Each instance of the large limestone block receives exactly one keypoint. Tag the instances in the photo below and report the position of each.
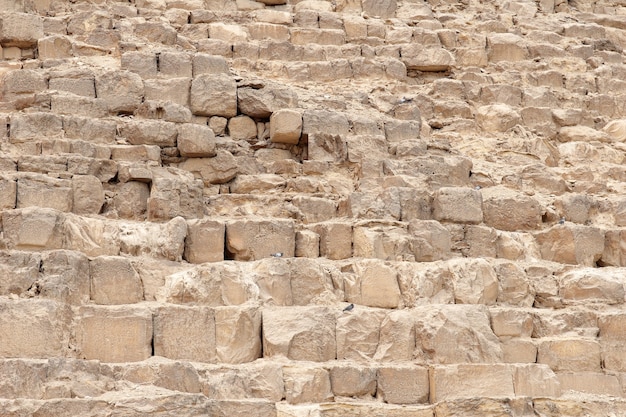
(114, 281)
(91, 130)
(402, 384)
(242, 127)
(569, 322)
(506, 47)
(426, 283)
(519, 351)
(457, 204)
(173, 90)
(248, 240)
(299, 333)
(382, 242)
(121, 90)
(316, 121)
(217, 170)
(64, 276)
(37, 125)
(514, 285)
(185, 333)
(259, 379)
(534, 380)
(309, 281)
(613, 358)
(397, 337)
(131, 200)
(471, 380)
(327, 147)
(157, 240)
(353, 381)
(286, 126)
(174, 192)
(581, 134)
(214, 284)
(205, 241)
(44, 191)
(263, 102)
(474, 281)
(237, 334)
(315, 209)
(209, 64)
(229, 33)
(34, 328)
(8, 193)
(20, 29)
(508, 322)
(612, 326)
(587, 285)
(377, 285)
(214, 95)
(335, 239)
(597, 383)
(451, 334)
(429, 59)
(306, 385)
(495, 118)
(430, 241)
(149, 132)
(358, 334)
(570, 354)
(571, 244)
(114, 334)
(505, 209)
(143, 63)
(175, 64)
(381, 9)
(33, 228)
(87, 193)
(20, 271)
(21, 83)
(195, 141)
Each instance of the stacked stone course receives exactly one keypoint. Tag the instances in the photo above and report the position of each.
(193, 191)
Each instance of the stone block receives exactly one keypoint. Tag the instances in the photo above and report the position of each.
(22, 84)
(20, 269)
(505, 209)
(43, 191)
(262, 102)
(114, 334)
(450, 334)
(131, 200)
(140, 62)
(396, 337)
(335, 239)
(506, 47)
(299, 333)
(122, 91)
(286, 126)
(174, 90)
(32, 228)
(80, 83)
(89, 129)
(403, 384)
(242, 128)
(581, 134)
(205, 241)
(353, 381)
(185, 333)
(571, 244)
(214, 95)
(228, 32)
(358, 334)
(519, 351)
(591, 383)
(307, 244)
(495, 118)
(196, 141)
(261, 31)
(257, 184)
(514, 286)
(209, 64)
(612, 326)
(305, 36)
(175, 64)
(428, 59)
(589, 285)
(88, 194)
(20, 29)
(157, 32)
(535, 381)
(73, 105)
(613, 356)
(324, 121)
(26, 126)
(306, 385)
(248, 240)
(175, 192)
(474, 281)
(327, 147)
(470, 380)
(217, 170)
(570, 354)
(259, 379)
(238, 334)
(430, 241)
(507, 322)
(157, 240)
(114, 281)
(37, 328)
(149, 132)
(460, 205)
(315, 209)
(103, 169)
(43, 164)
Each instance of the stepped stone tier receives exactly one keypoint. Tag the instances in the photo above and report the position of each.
(193, 191)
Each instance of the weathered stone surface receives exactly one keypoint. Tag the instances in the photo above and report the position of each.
(43, 191)
(506, 209)
(462, 205)
(327, 147)
(195, 141)
(114, 334)
(149, 132)
(87, 193)
(131, 200)
(358, 334)
(335, 239)
(121, 90)
(285, 126)
(37, 328)
(299, 333)
(589, 285)
(248, 240)
(571, 244)
(242, 127)
(376, 285)
(496, 118)
(420, 58)
(263, 102)
(114, 281)
(214, 95)
(32, 228)
(506, 47)
(353, 381)
(470, 380)
(174, 192)
(20, 29)
(237, 334)
(403, 384)
(570, 354)
(158, 240)
(307, 384)
(205, 241)
(35, 126)
(185, 333)
(217, 170)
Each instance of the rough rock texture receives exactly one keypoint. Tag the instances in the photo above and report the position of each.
(292, 208)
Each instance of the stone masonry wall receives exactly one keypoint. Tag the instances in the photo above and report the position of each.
(311, 208)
